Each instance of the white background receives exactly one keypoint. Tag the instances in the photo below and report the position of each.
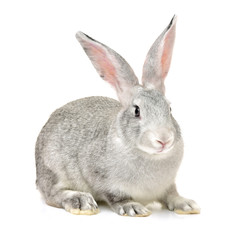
(42, 67)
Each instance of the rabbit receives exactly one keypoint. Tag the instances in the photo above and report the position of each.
(125, 153)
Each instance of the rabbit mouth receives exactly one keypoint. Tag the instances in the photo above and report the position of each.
(155, 144)
(155, 151)
(164, 150)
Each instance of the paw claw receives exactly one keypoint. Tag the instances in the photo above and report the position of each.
(184, 206)
(133, 210)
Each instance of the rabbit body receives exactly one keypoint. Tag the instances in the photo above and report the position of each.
(81, 146)
(126, 153)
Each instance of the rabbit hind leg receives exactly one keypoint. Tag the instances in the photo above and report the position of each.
(75, 202)
(79, 203)
(58, 194)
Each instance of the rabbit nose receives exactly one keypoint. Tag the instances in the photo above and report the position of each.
(161, 142)
(167, 142)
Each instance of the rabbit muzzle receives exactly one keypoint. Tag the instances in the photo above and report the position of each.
(157, 142)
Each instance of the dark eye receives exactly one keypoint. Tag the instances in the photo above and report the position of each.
(137, 111)
(170, 109)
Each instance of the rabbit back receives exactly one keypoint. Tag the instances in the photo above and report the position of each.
(68, 141)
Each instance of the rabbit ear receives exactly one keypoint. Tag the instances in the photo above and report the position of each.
(158, 59)
(111, 66)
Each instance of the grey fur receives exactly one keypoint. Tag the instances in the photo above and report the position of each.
(96, 148)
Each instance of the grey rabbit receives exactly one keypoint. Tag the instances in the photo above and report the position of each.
(125, 153)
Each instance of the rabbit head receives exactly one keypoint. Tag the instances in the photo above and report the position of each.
(145, 120)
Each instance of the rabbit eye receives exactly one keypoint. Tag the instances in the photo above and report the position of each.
(137, 111)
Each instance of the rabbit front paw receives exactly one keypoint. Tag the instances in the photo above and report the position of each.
(132, 209)
(182, 205)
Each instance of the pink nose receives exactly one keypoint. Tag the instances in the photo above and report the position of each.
(162, 143)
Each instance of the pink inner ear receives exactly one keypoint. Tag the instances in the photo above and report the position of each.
(167, 52)
(103, 64)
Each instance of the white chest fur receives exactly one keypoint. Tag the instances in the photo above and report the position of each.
(148, 181)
